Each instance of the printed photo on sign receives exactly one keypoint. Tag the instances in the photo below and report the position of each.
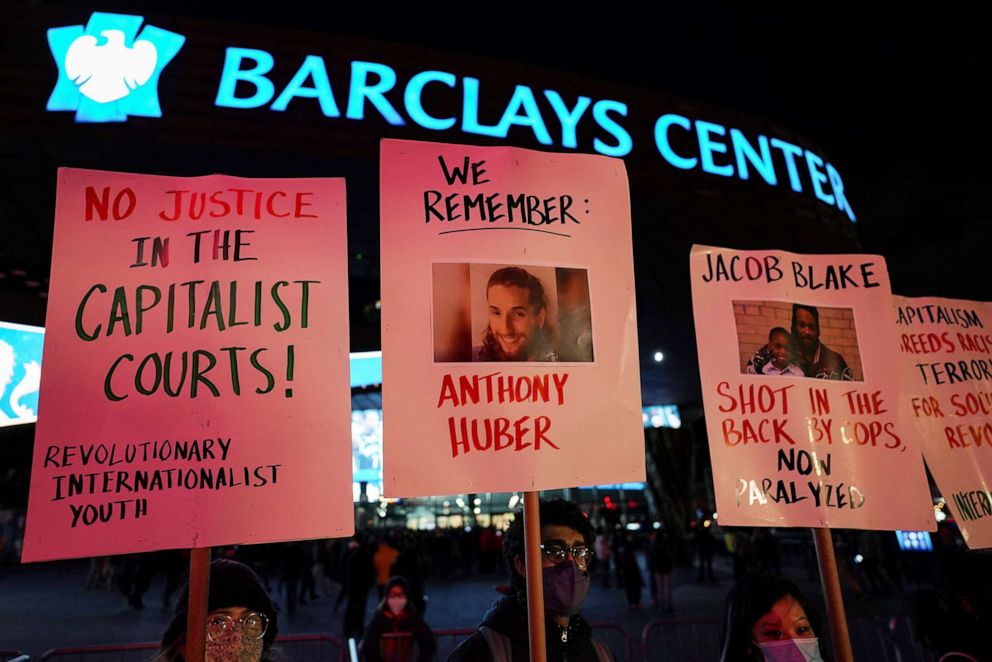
(511, 313)
(797, 340)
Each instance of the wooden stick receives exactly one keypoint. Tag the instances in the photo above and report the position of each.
(830, 580)
(199, 591)
(535, 576)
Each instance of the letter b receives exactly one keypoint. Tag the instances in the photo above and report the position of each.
(232, 73)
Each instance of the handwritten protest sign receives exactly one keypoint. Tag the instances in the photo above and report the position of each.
(509, 330)
(800, 389)
(946, 348)
(195, 375)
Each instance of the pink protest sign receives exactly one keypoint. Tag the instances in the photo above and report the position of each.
(946, 349)
(195, 373)
(801, 392)
(508, 323)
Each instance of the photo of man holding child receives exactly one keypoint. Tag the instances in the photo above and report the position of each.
(768, 347)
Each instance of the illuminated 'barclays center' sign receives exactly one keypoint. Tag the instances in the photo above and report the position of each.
(108, 71)
(719, 150)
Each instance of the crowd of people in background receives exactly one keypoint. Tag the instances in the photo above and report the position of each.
(393, 567)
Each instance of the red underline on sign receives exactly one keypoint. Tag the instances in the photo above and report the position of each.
(557, 234)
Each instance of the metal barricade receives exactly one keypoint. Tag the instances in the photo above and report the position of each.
(293, 648)
(617, 640)
(611, 634)
(312, 648)
(870, 640)
(104, 653)
(879, 639)
(448, 639)
(674, 639)
(908, 646)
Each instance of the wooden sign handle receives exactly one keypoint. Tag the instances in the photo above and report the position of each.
(830, 580)
(199, 591)
(535, 577)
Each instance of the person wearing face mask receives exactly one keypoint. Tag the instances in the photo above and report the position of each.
(241, 622)
(566, 550)
(770, 620)
(397, 615)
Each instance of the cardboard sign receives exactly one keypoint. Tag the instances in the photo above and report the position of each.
(801, 392)
(195, 376)
(509, 332)
(946, 349)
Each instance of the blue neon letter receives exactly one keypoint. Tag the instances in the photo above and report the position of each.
(312, 67)
(523, 99)
(814, 163)
(707, 147)
(569, 118)
(470, 111)
(838, 186)
(790, 152)
(412, 99)
(746, 153)
(362, 90)
(600, 112)
(232, 73)
(661, 128)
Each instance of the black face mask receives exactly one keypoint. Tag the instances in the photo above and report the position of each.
(565, 588)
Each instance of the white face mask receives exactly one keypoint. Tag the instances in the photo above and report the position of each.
(791, 650)
(396, 605)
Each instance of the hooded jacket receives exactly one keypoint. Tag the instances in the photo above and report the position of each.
(508, 617)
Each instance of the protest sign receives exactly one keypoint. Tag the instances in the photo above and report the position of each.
(946, 349)
(195, 376)
(800, 390)
(509, 331)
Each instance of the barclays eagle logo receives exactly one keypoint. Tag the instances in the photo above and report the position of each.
(108, 71)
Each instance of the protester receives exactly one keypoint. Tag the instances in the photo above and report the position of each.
(662, 565)
(566, 537)
(361, 576)
(602, 548)
(397, 615)
(410, 566)
(768, 619)
(633, 580)
(296, 566)
(382, 560)
(241, 621)
(705, 544)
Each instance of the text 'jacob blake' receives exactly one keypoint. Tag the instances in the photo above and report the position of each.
(806, 276)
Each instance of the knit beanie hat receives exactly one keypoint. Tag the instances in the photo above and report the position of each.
(232, 584)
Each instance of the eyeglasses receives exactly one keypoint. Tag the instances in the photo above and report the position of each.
(222, 627)
(559, 553)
